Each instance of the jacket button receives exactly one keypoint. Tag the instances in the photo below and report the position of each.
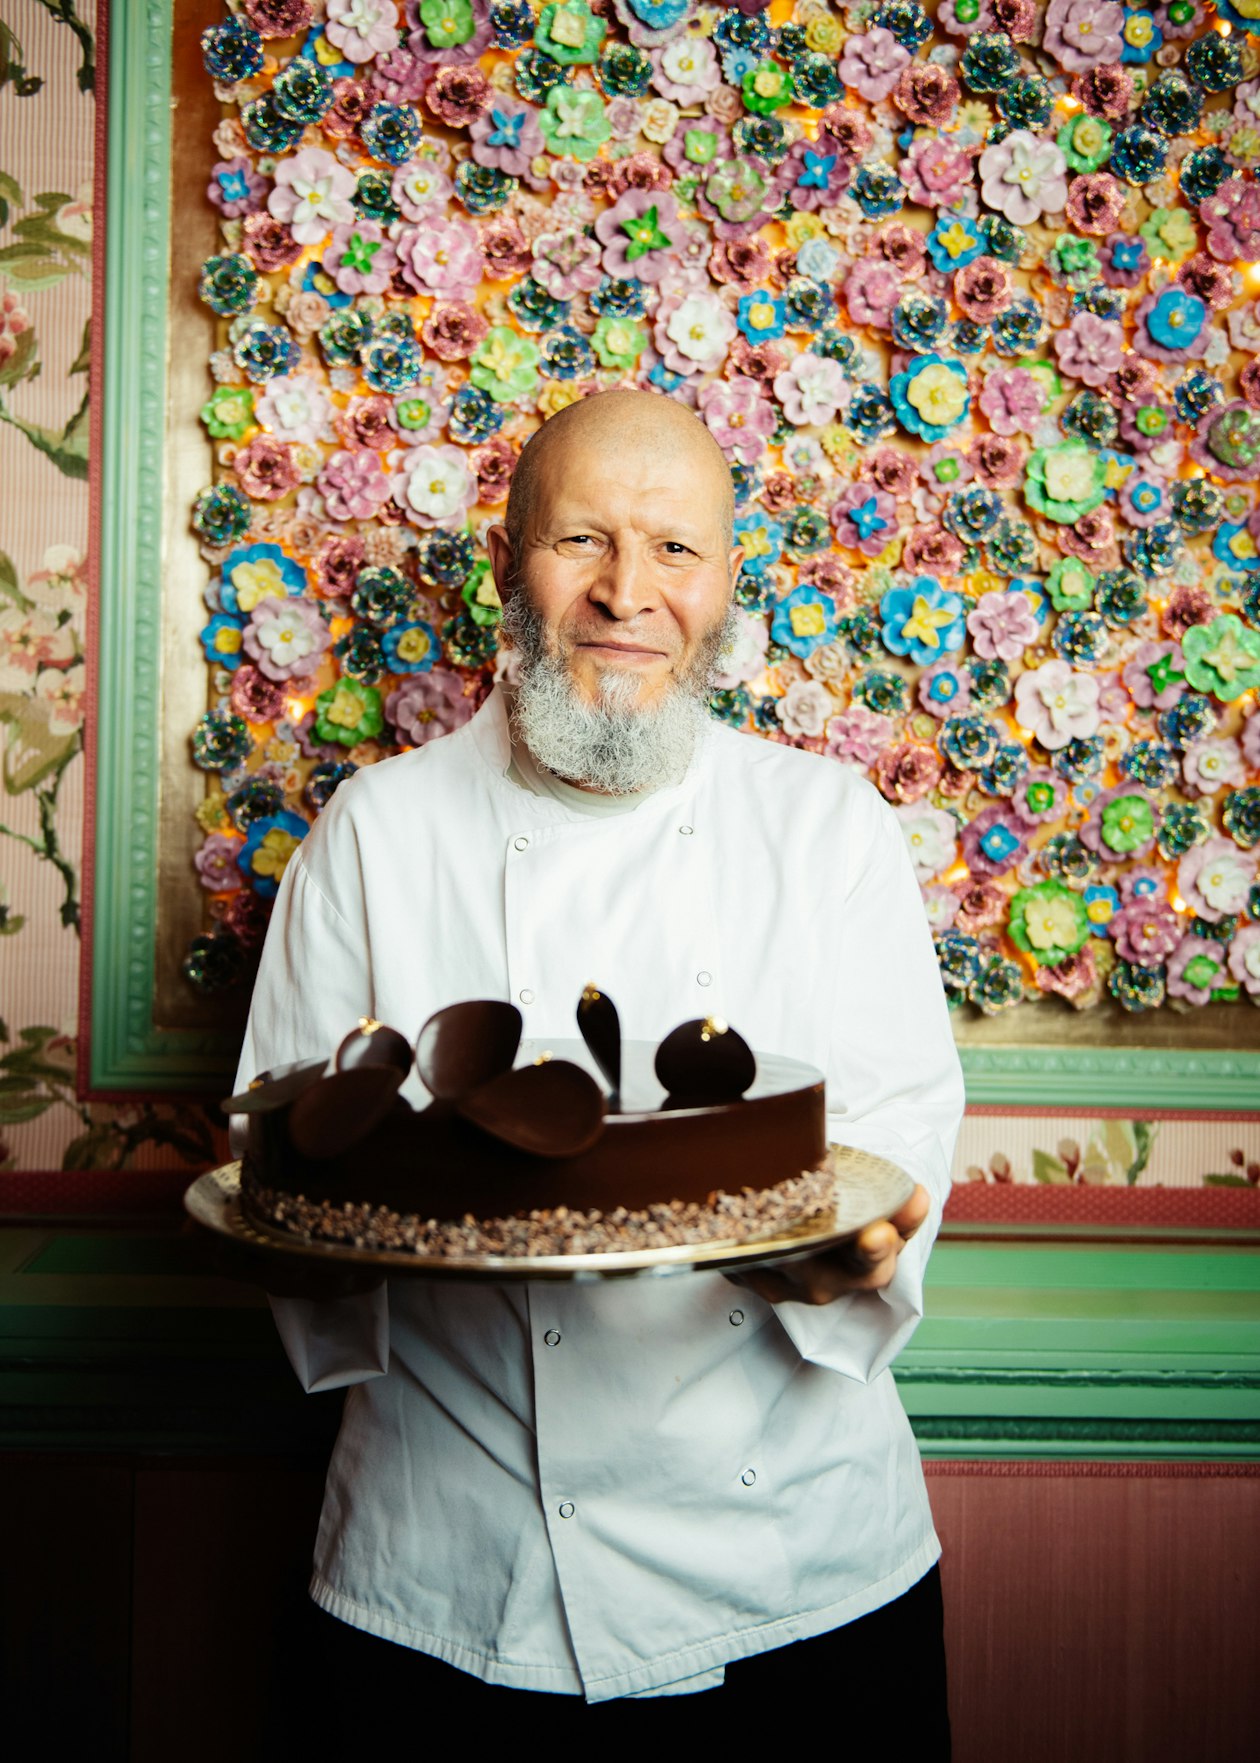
(521, 844)
(736, 1317)
(748, 1478)
(552, 1337)
(686, 831)
(704, 978)
(526, 996)
(566, 1509)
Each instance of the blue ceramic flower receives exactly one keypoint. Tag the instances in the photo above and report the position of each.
(1101, 905)
(222, 640)
(1235, 547)
(258, 572)
(924, 621)
(803, 621)
(1176, 319)
(1140, 35)
(930, 398)
(762, 541)
(953, 242)
(410, 648)
(269, 845)
(762, 317)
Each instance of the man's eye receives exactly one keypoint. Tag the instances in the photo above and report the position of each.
(675, 549)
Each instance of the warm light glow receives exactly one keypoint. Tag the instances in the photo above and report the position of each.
(1252, 273)
(295, 708)
(1068, 103)
(1178, 903)
(1225, 29)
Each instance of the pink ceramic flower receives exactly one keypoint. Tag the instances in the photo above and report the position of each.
(858, 735)
(686, 70)
(216, 863)
(1012, 399)
(641, 235)
(1213, 764)
(1196, 969)
(812, 390)
(1232, 218)
(934, 173)
(566, 263)
(1002, 625)
(235, 188)
(353, 485)
(1244, 959)
(420, 188)
(1090, 349)
(360, 259)
(1249, 742)
(1145, 932)
(871, 290)
(931, 836)
(1151, 686)
(506, 135)
(1081, 34)
(804, 708)
(864, 518)
(266, 469)
(1023, 177)
(362, 29)
(442, 257)
(296, 406)
(427, 706)
(1095, 204)
(872, 63)
(739, 416)
(692, 332)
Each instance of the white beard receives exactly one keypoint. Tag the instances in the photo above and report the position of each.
(611, 746)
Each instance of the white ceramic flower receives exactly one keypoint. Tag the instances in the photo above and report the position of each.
(435, 483)
(700, 329)
(312, 195)
(744, 656)
(1023, 177)
(931, 836)
(295, 407)
(1056, 704)
(812, 389)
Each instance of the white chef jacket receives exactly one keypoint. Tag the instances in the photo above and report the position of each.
(618, 1488)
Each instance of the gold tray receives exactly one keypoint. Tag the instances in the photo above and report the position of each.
(867, 1188)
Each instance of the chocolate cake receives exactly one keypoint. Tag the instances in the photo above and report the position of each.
(697, 1140)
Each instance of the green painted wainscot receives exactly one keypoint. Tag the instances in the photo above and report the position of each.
(123, 1341)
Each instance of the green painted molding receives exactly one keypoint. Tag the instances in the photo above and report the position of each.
(128, 1052)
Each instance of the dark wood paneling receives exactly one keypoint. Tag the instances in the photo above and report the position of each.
(1101, 1618)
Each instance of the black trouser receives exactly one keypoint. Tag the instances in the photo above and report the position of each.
(877, 1681)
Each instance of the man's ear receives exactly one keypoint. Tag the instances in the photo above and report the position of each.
(502, 562)
(736, 562)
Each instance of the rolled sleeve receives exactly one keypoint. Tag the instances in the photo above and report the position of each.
(335, 1342)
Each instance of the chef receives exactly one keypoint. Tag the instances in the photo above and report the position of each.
(664, 1501)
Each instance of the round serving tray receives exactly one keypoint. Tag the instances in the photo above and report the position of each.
(867, 1188)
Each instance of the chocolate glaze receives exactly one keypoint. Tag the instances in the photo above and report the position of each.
(466, 1045)
(440, 1165)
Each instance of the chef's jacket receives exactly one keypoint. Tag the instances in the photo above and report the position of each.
(618, 1488)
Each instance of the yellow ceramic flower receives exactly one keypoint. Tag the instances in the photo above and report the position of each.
(272, 856)
(212, 814)
(1070, 475)
(938, 394)
(257, 581)
(1051, 924)
(345, 711)
(802, 227)
(556, 396)
(824, 35)
(809, 620)
(414, 644)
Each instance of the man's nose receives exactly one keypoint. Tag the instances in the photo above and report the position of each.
(625, 584)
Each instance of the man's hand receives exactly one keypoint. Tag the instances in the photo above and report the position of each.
(865, 1263)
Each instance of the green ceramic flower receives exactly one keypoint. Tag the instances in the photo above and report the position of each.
(1085, 142)
(573, 123)
(1128, 822)
(700, 146)
(618, 342)
(1076, 256)
(569, 33)
(1065, 482)
(1223, 657)
(737, 189)
(1048, 922)
(767, 88)
(348, 713)
(1070, 585)
(229, 415)
(481, 597)
(1045, 374)
(505, 364)
(1170, 234)
(447, 23)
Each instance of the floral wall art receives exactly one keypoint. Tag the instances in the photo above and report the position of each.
(967, 299)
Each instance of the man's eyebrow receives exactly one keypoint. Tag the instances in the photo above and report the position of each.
(665, 527)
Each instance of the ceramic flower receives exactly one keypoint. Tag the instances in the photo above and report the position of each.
(858, 735)
(347, 713)
(804, 708)
(269, 847)
(1012, 400)
(812, 390)
(1022, 177)
(1155, 675)
(1244, 959)
(995, 840)
(506, 135)
(1049, 922)
(258, 572)
(353, 485)
(428, 706)
(1002, 625)
(864, 518)
(434, 484)
(1196, 968)
(686, 70)
(954, 241)
(692, 332)
(1065, 481)
(872, 63)
(1121, 822)
(641, 235)
(1210, 765)
(286, 638)
(743, 657)
(931, 836)
(1082, 34)
(312, 195)
(360, 259)
(923, 621)
(1090, 349)
(739, 416)
(235, 187)
(505, 364)
(362, 29)
(935, 173)
(574, 123)
(569, 33)
(295, 407)
(1222, 657)
(803, 621)
(1056, 704)
(443, 258)
(930, 397)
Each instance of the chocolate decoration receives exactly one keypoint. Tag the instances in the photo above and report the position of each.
(705, 1062)
(267, 1092)
(466, 1045)
(336, 1114)
(600, 1028)
(552, 1109)
(372, 1043)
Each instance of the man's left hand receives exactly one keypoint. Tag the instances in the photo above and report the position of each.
(865, 1263)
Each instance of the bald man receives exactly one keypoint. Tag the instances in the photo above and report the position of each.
(677, 1499)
